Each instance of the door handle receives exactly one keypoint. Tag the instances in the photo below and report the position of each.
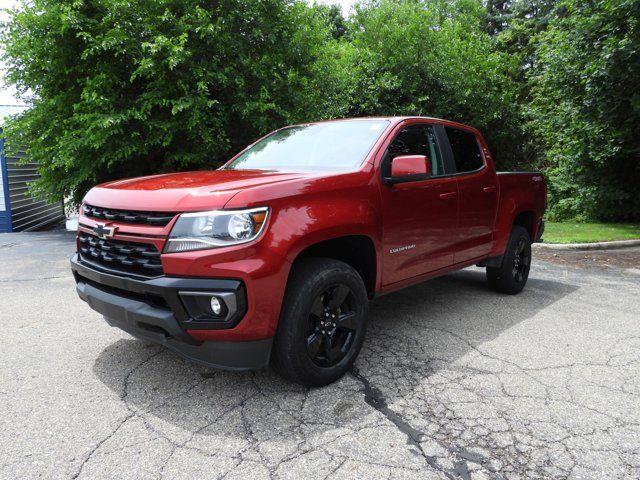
(489, 189)
(447, 195)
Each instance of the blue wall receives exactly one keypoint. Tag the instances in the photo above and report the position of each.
(5, 208)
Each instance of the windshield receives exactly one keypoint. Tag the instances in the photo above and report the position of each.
(330, 146)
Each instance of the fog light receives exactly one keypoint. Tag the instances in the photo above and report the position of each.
(213, 306)
(216, 306)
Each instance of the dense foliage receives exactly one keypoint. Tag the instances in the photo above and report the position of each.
(126, 88)
(433, 58)
(586, 109)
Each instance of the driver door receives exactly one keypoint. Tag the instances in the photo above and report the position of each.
(419, 217)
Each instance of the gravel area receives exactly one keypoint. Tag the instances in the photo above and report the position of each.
(627, 258)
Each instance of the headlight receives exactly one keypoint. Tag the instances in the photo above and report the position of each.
(219, 228)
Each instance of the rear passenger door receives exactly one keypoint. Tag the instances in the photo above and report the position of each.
(478, 195)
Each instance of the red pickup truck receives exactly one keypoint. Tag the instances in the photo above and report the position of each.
(274, 256)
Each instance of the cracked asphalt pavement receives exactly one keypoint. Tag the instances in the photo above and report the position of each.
(454, 381)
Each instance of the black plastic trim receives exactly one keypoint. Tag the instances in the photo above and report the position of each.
(494, 262)
(446, 152)
(460, 174)
(110, 271)
(167, 288)
(159, 326)
(417, 177)
(115, 298)
(139, 217)
(132, 312)
(121, 257)
(540, 232)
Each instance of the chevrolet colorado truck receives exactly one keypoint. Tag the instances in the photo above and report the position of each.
(273, 257)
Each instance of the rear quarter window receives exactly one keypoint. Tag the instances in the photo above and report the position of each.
(465, 148)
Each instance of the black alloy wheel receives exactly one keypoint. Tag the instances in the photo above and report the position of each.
(521, 261)
(511, 276)
(333, 323)
(322, 322)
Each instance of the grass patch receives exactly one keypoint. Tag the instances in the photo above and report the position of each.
(567, 232)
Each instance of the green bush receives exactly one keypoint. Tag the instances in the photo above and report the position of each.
(131, 88)
(127, 88)
(586, 109)
(434, 58)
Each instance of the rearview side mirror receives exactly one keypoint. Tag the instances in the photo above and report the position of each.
(409, 168)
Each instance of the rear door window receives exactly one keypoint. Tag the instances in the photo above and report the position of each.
(465, 149)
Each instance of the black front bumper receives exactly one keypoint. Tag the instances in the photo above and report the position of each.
(152, 310)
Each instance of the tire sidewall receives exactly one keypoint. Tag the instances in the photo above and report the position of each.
(518, 234)
(296, 313)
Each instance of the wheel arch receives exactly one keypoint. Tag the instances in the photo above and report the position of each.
(526, 219)
(357, 251)
(508, 217)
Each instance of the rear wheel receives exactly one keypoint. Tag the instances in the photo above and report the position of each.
(512, 275)
(322, 324)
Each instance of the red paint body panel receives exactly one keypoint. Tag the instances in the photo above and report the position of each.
(478, 202)
(521, 192)
(184, 192)
(419, 227)
(419, 230)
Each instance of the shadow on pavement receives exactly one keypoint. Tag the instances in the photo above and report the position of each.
(413, 334)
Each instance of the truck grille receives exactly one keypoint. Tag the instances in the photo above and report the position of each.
(142, 259)
(158, 219)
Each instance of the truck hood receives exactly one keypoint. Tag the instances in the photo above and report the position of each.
(187, 191)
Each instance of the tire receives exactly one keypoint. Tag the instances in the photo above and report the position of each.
(311, 347)
(512, 275)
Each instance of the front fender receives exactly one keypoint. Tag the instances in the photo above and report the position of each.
(316, 210)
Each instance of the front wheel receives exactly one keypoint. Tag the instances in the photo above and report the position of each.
(512, 275)
(322, 324)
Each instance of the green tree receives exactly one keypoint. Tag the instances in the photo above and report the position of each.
(498, 15)
(517, 25)
(434, 58)
(125, 88)
(131, 88)
(586, 109)
(333, 12)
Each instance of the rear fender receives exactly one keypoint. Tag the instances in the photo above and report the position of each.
(507, 214)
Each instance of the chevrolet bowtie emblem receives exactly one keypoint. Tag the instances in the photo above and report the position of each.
(103, 232)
